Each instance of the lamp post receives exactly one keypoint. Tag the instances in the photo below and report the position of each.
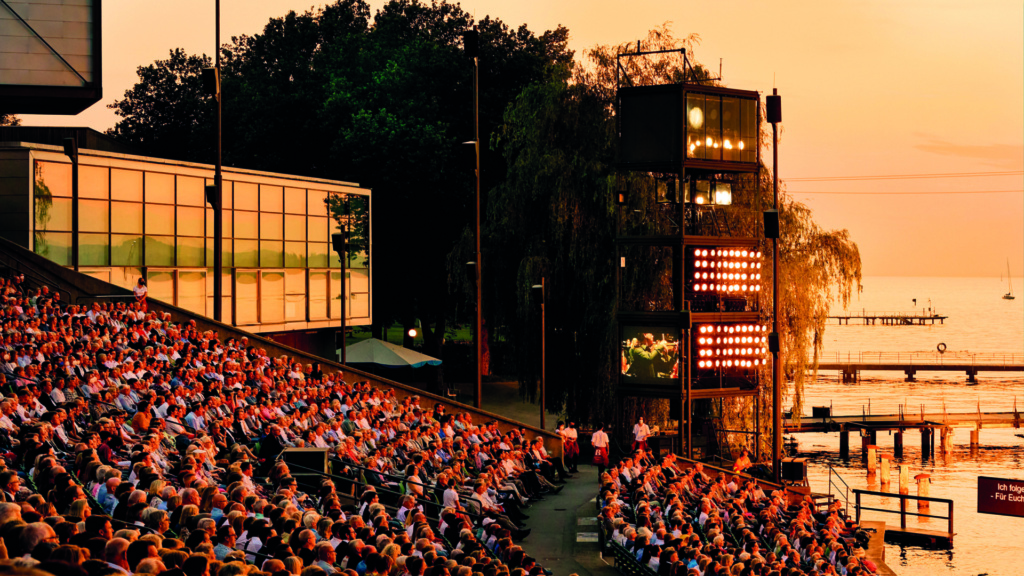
(471, 44)
(215, 193)
(339, 240)
(773, 106)
(71, 150)
(543, 345)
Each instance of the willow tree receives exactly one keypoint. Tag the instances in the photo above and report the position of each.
(552, 216)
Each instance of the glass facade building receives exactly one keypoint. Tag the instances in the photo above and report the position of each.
(148, 217)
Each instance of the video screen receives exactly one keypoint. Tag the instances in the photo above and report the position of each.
(650, 353)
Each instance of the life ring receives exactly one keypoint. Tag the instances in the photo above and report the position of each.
(941, 347)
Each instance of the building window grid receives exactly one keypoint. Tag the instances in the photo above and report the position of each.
(333, 266)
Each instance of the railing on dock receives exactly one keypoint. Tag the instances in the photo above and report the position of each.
(903, 507)
(924, 357)
(843, 491)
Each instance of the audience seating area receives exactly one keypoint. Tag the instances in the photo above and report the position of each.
(136, 445)
(668, 518)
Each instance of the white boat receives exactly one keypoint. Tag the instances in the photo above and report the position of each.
(1009, 295)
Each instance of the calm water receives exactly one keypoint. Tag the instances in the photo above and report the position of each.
(979, 322)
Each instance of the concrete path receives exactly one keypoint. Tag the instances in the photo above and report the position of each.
(564, 537)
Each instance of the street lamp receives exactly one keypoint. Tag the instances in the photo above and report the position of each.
(543, 346)
(773, 106)
(473, 272)
(215, 194)
(339, 241)
(471, 44)
(71, 150)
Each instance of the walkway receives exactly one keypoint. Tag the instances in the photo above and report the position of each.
(564, 537)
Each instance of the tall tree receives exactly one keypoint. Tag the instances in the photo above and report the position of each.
(383, 101)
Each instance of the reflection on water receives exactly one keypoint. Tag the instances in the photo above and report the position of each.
(984, 543)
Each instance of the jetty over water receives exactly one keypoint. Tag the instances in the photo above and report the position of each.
(851, 364)
(892, 318)
(928, 422)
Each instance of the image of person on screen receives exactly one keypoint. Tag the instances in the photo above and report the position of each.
(646, 357)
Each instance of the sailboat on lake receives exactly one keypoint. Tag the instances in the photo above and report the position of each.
(1009, 295)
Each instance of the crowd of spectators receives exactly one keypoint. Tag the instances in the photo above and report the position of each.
(135, 445)
(676, 519)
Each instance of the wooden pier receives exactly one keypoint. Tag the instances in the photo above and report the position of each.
(850, 365)
(934, 427)
(892, 318)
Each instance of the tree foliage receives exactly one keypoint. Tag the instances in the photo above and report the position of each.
(551, 217)
(383, 100)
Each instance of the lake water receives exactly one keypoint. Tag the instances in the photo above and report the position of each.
(980, 322)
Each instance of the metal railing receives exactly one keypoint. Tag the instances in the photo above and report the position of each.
(933, 313)
(903, 507)
(38, 279)
(924, 357)
(843, 491)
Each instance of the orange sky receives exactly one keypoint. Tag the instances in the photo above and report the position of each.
(869, 88)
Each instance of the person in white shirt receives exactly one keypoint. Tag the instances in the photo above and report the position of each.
(640, 433)
(599, 440)
(141, 291)
(570, 446)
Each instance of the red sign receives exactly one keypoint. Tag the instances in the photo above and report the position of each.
(1000, 496)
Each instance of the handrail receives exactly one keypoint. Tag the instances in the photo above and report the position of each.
(923, 357)
(40, 280)
(375, 488)
(392, 476)
(846, 492)
(98, 296)
(95, 401)
(903, 506)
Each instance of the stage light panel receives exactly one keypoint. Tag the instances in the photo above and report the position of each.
(730, 347)
(722, 271)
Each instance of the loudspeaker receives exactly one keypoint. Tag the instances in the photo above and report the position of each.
(773, 342)
(211, 81)
(71, 149)
(773, 107)
(471, 43)
(211, 194)
(338, 241)
(771, 224)
(794, 469)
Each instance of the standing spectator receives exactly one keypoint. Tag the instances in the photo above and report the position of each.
(140, 290)
(640, 433)
(599, 440)
(570, 446)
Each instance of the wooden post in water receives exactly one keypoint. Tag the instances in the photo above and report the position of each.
(947, 439)
(844, 444)
(974, 439)
(923, 483)
(904, 478)
(885, 467)
(872, 459)
(897, 444)
(926, 443)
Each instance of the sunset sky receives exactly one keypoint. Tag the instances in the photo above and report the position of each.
(869, 88)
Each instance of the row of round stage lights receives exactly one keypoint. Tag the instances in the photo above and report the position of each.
(732, 345)
(732, 271)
